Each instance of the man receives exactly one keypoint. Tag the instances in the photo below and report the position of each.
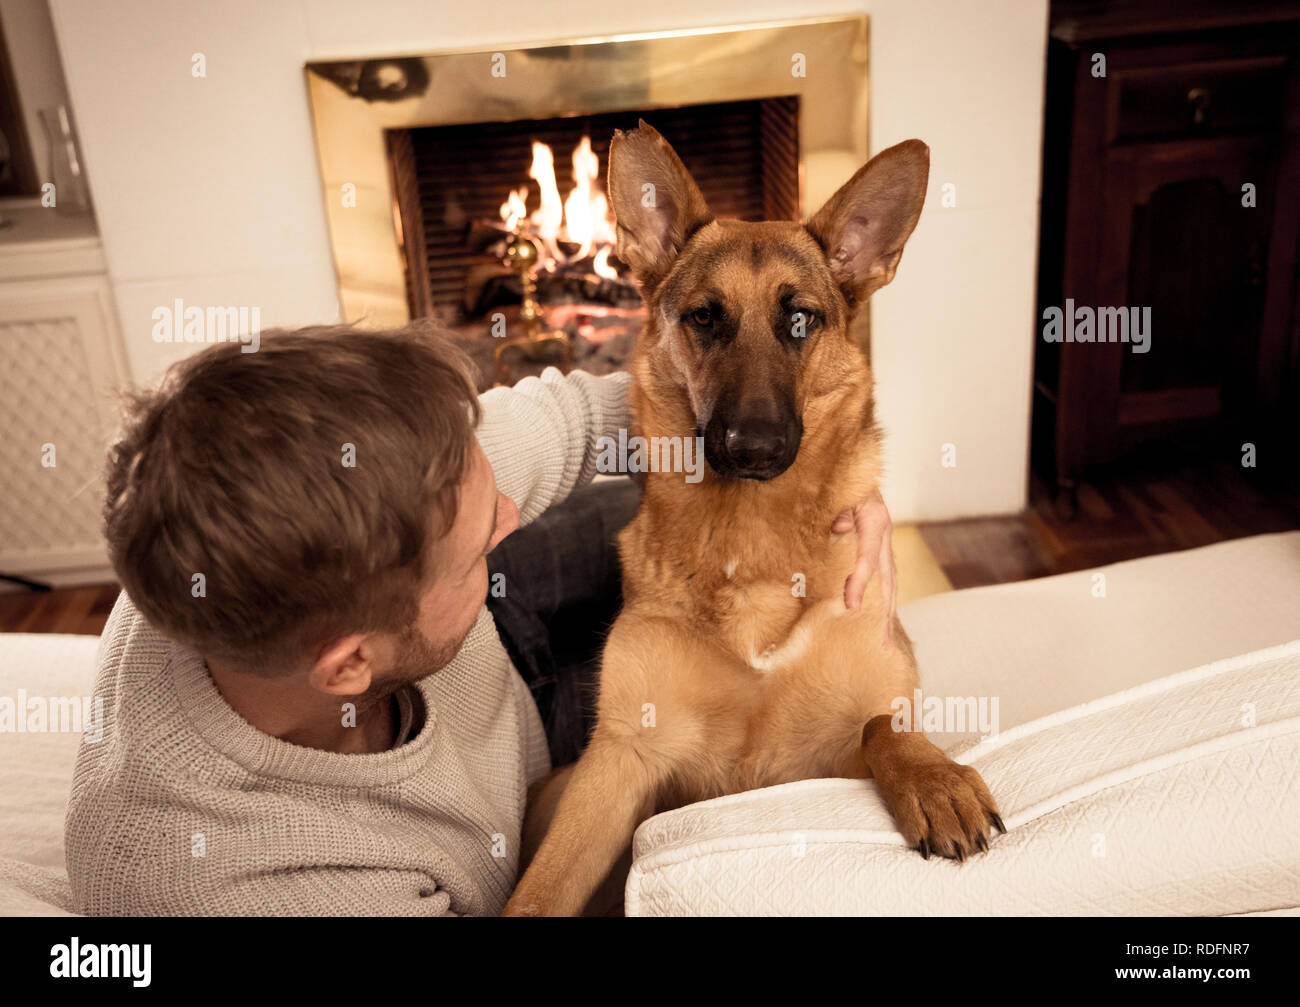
(302, 535)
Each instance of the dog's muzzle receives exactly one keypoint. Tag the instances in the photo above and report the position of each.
(757, 448)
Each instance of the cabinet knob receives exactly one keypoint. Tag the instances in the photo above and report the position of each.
(1199, 99)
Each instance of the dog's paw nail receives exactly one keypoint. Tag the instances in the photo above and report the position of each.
(925, 849)
(997, 820)
(983, 844)
(960, 853)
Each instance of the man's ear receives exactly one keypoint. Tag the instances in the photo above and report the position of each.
(344, 667)
(864, 226)
(657, 204)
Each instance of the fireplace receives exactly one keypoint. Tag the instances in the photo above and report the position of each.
(745, 155)
(435, 167)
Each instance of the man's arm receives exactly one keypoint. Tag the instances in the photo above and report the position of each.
(541, 435)
(316, 890)
(337, 891)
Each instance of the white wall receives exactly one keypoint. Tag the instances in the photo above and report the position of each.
(208, 189)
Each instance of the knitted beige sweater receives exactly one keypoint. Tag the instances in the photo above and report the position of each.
(185, 808)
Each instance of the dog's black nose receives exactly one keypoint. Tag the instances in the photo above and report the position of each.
(752, 446)
(756, 443)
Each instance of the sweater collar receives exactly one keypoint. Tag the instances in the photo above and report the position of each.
(258, 752)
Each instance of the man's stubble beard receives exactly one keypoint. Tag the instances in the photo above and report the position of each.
(416, 657)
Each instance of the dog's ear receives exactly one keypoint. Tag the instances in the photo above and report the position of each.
(864, 226)
(657, 205)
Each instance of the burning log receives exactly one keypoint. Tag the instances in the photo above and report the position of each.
(574, 241)
(481, 235)
(489, 287)
(580, 228)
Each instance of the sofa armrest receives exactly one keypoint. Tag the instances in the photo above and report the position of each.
(1177, 796)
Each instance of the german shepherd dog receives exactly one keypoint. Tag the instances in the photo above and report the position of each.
(734, 663)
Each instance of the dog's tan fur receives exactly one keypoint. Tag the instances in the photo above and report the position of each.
(718, 676)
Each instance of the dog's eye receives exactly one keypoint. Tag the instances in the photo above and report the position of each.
(803, 321)
(702, 317)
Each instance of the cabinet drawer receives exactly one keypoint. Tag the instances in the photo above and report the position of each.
(1191, 100)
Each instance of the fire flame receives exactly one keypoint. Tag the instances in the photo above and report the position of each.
(601, 264)
(514, 209)
(583, 219)
(548, 216)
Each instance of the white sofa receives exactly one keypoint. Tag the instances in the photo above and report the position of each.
(1146, 761)
(1125, 771)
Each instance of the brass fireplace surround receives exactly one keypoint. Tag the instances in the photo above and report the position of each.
(823, 61)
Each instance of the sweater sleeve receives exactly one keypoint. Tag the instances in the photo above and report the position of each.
(542, 436)
(332, 891)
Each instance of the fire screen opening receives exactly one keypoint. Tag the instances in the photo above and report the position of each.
(461, 190)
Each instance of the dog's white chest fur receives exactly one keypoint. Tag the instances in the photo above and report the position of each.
(796, 644)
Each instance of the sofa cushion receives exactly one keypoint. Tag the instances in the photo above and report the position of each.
(36, 766)
(1177, 796)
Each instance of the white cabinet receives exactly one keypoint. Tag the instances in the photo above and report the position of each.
(61, 369)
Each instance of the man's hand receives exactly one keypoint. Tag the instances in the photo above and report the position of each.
(875, 553)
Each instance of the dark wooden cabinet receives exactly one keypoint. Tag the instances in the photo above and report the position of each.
(1171, 183)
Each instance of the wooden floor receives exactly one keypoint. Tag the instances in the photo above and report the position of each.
(1154, 502)
(64, 610)
(1150, 504)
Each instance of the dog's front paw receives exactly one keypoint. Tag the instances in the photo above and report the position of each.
(942, 807)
